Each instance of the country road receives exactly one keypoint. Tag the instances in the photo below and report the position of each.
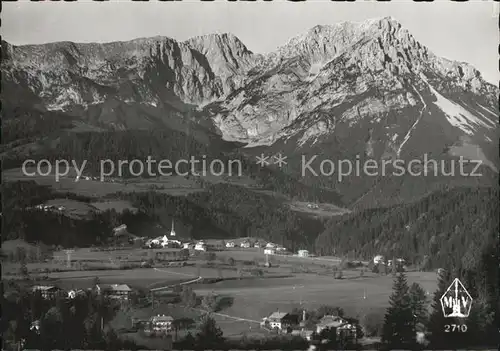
(170, 286)
(228, 316)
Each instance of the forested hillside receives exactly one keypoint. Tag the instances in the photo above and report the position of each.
(221, 211)
(443, 229)
(158, 144)
(227, 211)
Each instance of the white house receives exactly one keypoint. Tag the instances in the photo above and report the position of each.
(270, 246)
(164, 241)
(118, 291)
(257, 245)
(278, 320)
(340, 324)
(35, 326)
(230, 244)
(378, 259)
(269, 251)
(399, 262)
(200, 246)
(188, 246)
(155, 241)
(245, 244)
(120, 229)
(161, 323)
(303, 253)
(74, 293)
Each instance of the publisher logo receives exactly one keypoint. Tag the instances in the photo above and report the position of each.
(456, 301)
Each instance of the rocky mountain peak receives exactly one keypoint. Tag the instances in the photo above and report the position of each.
(204, 43)
(343, 73)
(225, 52)
(323, 43)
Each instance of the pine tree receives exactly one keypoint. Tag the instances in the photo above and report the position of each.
(418, 303)
(436, 325)
(209, 334)
(478, 323)
(399, 329)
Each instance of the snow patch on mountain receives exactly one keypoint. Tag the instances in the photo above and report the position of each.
(456, 115)
(491, 121)
(408, 134)
(318, 129)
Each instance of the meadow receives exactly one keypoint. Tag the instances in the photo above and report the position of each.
(252, 254)
(171, 185)
(291, 282)
(356, 295)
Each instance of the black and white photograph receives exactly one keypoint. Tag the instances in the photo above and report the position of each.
(250, 175)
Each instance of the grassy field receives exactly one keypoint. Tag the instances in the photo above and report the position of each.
(257, 299)
(323, 210)
(12, 245)
(118, 205)
(258, 254)
(238, 254)
(174, 185)
(86, 254)
(73, 208)
(139, 278)
(254, 298)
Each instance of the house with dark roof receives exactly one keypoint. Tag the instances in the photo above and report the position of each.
(279, 320)
(344, 327)
(118, 291)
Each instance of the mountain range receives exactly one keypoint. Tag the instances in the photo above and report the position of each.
(354, 91)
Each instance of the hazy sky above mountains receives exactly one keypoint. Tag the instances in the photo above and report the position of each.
(459, 31)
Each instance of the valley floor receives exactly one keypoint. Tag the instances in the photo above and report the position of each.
(253, 298)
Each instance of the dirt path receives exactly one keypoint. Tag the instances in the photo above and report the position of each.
(170, 286)
(228, 316)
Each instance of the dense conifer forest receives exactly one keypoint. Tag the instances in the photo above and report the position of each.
(440, 230)
(448, 228)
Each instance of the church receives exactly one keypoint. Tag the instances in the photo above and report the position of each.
(164, 240)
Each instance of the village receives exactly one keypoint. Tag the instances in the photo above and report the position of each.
(173, 253)
(290, 323)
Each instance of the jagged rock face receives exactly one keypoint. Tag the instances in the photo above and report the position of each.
(371, 78)
(227, 56)
(349, 71)
(151, 71)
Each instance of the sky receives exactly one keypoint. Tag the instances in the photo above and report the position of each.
(458, 31)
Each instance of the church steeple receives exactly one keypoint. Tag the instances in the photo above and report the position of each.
(172, 231)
